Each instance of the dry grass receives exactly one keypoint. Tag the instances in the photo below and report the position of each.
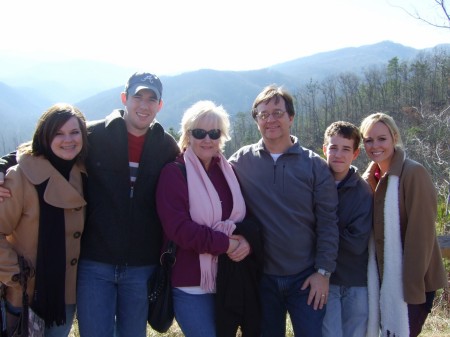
(437, 324)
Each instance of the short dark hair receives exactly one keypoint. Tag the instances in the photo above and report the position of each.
(274, 92)
(48, 125)
(344, 129)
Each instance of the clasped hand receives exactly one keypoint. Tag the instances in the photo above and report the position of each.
(242, 250)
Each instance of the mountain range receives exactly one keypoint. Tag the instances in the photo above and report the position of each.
(28, 86)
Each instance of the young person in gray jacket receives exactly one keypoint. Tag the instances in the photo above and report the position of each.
(291, 191)
(347, 307)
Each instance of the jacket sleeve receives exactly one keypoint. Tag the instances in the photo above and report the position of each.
(325, 206)
(420, 206)
(7, 161)
(355, 236)
(173, 209)
(10, 214)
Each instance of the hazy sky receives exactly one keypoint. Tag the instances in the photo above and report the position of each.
(170, 36)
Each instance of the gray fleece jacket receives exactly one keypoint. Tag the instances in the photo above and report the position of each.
(296, 201)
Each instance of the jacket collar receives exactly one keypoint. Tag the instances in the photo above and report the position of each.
(351, 178)
(395, 168)
(117, 116)
(114, 116)
(397, 162)
(295, 148)
(59, 192)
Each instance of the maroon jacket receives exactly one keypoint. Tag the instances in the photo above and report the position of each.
(192, 239)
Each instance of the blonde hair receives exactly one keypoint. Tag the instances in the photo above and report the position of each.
(209, 111)
(387, 120)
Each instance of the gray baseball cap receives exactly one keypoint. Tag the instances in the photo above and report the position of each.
(140, 80)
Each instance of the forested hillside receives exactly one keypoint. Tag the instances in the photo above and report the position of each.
(416, 93)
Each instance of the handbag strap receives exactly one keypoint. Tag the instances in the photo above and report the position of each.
(3, 329)
(168, 258)
(22, 277)
(25, 272)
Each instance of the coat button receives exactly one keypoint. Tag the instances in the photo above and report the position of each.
(77, 209)
(73, 262)
(76, 235)
(15, 278)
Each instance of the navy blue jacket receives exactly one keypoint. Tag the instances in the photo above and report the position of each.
(355, 225)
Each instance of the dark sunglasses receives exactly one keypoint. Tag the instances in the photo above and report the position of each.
(201, 134)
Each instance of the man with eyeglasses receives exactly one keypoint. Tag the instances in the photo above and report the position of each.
(122, 238)
(291, 191)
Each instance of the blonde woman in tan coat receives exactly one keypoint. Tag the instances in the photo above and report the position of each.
(410, 267)
(44, 217)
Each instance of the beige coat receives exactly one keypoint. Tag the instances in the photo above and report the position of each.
(19, 220)
(423, 268)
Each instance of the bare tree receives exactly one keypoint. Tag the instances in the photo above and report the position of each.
(442, 12)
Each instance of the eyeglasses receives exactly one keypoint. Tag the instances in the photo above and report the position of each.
(201, 134)
(276, 114)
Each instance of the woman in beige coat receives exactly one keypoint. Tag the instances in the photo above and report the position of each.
(44, 217)
(404, 241)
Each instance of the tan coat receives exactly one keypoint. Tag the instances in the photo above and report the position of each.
(19, 220)
(423, 268)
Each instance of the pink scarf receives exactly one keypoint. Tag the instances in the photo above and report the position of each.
(206, 209)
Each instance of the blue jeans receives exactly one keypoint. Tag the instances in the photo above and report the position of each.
(347, 312)
(112, 300)
(281, 295)
(195, 314)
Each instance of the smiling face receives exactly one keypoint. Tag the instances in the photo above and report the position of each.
(379, 145)
(275, 131)
(205, 149)
(340, 153)
(68, 140)
(140, 111)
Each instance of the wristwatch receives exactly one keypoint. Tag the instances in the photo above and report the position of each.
(324, 272)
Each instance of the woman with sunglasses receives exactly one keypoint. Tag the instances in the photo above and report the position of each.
(201, 207)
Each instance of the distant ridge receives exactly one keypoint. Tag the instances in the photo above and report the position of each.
(353, 59)
(95, 86)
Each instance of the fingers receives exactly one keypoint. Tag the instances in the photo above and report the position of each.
(317, 299)
(306, 285)
(241, 252)
(318, 293)
(237, 237)
(4, 192)
(233, 245)
(322, 300)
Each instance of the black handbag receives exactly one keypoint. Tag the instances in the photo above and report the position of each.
(159, 287)
(27, 323)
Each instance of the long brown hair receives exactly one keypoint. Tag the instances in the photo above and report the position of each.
(47, 127)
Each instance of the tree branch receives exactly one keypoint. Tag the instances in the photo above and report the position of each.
(416, 15)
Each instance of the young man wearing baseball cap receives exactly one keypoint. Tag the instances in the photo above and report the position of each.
(121, 242)
(122, 237)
